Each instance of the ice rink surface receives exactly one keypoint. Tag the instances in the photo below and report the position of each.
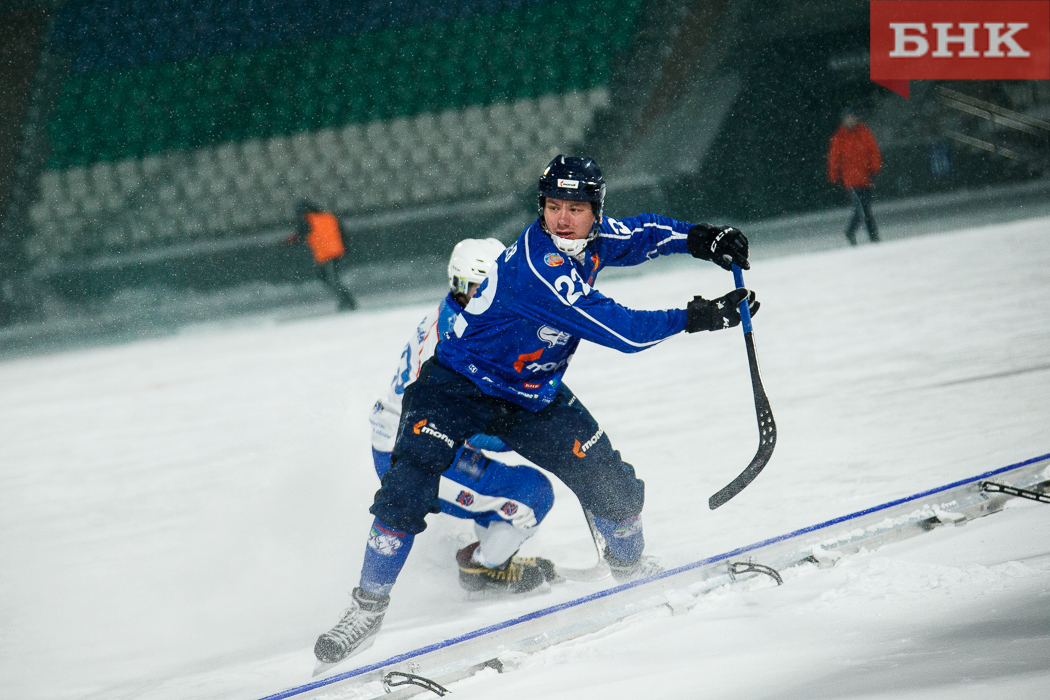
(181, 516)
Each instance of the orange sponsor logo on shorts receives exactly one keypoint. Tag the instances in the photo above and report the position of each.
(581, 450)
(421, 428)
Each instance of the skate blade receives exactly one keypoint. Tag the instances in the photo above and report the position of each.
(324, 666)
(321, 666)
(595, 573)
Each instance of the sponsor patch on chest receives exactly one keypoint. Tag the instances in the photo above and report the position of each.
(552, 336)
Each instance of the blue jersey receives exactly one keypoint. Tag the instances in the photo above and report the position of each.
(516, 336)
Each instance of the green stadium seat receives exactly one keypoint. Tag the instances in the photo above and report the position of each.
(447, 98)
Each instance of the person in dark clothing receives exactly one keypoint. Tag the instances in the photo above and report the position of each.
(853, 158)
(322, 233)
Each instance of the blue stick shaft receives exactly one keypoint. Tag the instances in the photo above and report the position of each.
(745, 311)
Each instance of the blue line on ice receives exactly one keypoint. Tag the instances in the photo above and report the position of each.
(616, 589)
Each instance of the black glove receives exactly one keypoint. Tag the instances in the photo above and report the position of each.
(722, 245)
(716, 314)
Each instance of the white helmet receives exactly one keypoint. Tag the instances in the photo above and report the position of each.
(471, 260)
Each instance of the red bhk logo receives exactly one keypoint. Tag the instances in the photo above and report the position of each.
(958, 40)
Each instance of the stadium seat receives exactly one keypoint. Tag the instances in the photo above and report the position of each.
(393, 103)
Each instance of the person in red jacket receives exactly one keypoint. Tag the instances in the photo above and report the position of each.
(322, 234)
(852, 160)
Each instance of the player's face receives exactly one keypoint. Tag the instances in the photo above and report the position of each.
(568, 219)
(464, 299)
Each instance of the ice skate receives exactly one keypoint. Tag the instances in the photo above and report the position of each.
(625, 571)
(517, 575)
(355, 632)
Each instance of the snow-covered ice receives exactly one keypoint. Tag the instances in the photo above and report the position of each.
(180, 517)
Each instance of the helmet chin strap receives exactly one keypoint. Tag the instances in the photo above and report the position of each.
(570, 246)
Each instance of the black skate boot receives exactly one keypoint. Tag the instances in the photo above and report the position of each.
(356, 631)
(516, 575)
(624, 571)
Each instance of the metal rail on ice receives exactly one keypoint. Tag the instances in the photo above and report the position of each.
(462, 656)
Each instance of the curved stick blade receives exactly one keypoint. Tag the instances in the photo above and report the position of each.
(767, 428)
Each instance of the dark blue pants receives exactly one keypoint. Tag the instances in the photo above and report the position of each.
(329, 274)
(861, 201)
(442, 408)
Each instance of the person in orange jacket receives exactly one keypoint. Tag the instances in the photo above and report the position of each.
(322, 234)
(852, 160)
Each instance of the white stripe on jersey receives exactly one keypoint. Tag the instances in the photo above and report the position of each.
(528, 256)
(624, 234)
(676, 237)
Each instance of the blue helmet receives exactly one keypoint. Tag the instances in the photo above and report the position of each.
(575, 179)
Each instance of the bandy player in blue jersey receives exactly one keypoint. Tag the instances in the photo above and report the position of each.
(500, 374)
(487, 482)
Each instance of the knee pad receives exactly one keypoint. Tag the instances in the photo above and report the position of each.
(500, 489)
(536, 491)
